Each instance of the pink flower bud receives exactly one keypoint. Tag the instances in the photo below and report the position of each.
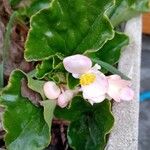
(65, 98)
(51, 90)
(77, 64)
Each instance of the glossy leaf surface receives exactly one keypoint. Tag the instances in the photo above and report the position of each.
(24, 122)
(68, 27)
(89, 124)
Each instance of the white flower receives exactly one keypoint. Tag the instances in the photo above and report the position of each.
(93, 83)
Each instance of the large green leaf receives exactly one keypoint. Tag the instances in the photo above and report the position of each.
(24, 123)
(89, 124)
(126, 9)
(68, 27)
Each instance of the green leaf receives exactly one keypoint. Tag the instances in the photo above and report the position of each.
(110, 52)
(23, 122)
(49, 106)
(71, 81)
(126, 9)
(77, 107)
(48, 66)
(68, 27)
(89, 124)
(36, 85)
(110, 68)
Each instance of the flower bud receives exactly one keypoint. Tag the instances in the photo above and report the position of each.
(65, 98)
(51, 90)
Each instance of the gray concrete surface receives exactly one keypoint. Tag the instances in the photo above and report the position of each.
(125, 133)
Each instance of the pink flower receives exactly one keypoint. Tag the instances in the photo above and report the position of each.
(119, 89)
(93, 83)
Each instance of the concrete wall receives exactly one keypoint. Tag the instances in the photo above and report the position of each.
(124, 135)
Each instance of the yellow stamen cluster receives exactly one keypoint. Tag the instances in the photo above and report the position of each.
(87, 79)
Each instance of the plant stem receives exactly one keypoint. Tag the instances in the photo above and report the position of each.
(6, 46)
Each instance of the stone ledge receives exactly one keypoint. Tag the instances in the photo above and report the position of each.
(124, 135)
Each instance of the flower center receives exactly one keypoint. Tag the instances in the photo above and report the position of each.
(87, 79)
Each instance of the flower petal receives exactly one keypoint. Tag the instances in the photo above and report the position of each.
(51, 90)
(127, 94)
(96, 91)
(114, 77)
(119, 89)
(97, 99)
(77, 64)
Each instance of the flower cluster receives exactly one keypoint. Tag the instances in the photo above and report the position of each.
(94, 85)
(61, 94)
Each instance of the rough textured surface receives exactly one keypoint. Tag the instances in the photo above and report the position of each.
(125, 132)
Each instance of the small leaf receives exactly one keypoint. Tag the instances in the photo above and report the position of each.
(67, 27)
(36, 85)
(49, 106)
(23, 122)
(110, 68)
(44, 68)
(89, 124)
(48, 66)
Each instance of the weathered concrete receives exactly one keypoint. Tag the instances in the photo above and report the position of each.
(125, 132)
